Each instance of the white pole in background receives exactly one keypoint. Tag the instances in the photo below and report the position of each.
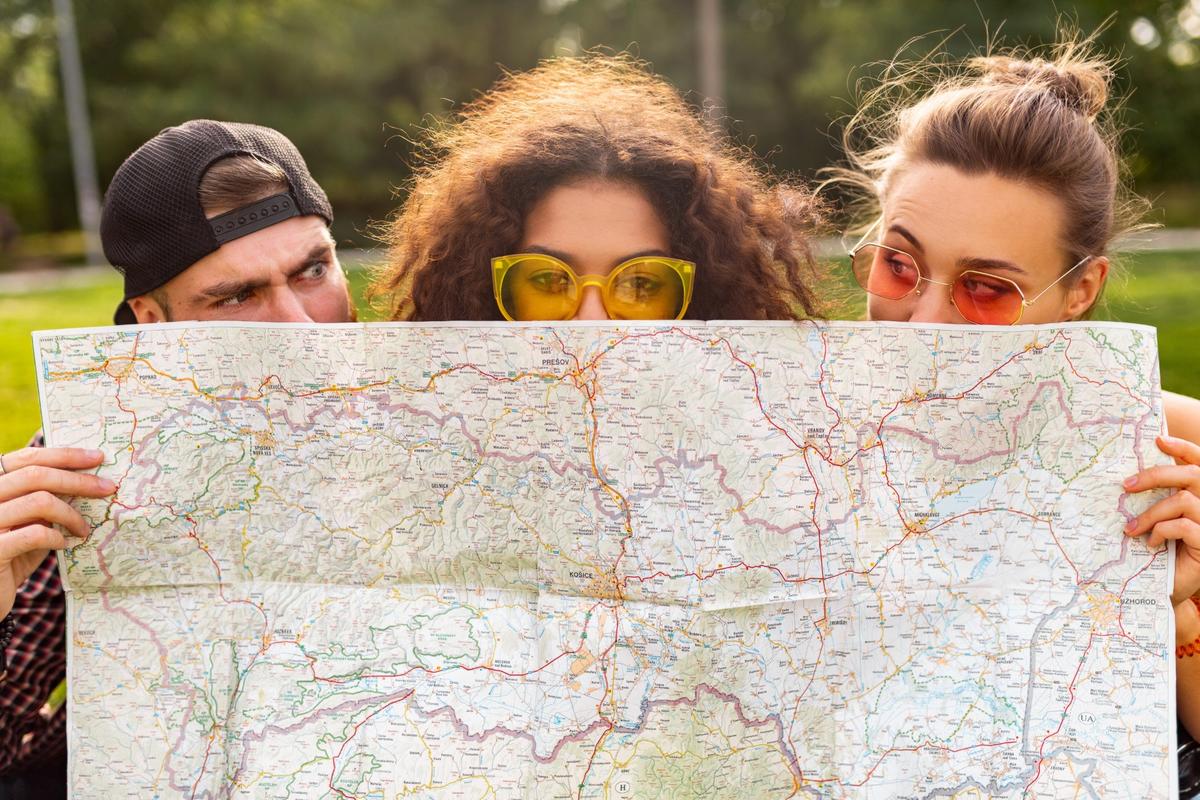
(710, 55)
(83, 163)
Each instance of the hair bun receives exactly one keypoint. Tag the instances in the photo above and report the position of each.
(1080, 84)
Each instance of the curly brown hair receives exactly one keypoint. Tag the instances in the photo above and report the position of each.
(593, 117)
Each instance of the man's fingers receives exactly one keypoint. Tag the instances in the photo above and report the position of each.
(40, 478)
(39, 507)
(29, 539)
(57, 457)
(1180, 529)
(1186, 476)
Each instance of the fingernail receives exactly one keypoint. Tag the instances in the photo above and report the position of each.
(107, 486)
(1130, 482)
(94, 454)
(1129, 526)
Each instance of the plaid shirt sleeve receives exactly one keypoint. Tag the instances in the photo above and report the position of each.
(37, 661)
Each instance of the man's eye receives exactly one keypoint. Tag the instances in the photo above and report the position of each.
(315, 270)
(234, 300)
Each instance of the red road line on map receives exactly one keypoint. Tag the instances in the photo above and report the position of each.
(359, 724)
(754, 375)
(203, 766)
(820, 539)
(103, 367)
(712, 573)
(588, 388)
(1125, 585)
(824, 397)
(1070, 691)
(915, 749)
(191, 533)
(1079, 581)
(464, 668)
(813, 676)
(1160, 551)
(879, 438)
(1071, 364)
(428, 671)
(609, 724)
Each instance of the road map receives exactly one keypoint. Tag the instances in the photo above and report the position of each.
(689, 560)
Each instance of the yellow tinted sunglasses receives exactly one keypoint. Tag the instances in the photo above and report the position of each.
(533, 286)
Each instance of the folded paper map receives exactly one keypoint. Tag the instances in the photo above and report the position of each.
(681, 560)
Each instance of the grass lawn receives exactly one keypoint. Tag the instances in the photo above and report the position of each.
(1163, 290)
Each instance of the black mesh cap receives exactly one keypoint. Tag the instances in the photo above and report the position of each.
(152, 226)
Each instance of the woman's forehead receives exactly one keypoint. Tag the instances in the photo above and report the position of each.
(953, 215)
(595, 218)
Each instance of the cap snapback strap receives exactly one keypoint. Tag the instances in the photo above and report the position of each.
(254, 217)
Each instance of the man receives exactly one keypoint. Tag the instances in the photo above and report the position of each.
(207, 221)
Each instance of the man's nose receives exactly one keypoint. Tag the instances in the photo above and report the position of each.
(592, 305)
(286, 306)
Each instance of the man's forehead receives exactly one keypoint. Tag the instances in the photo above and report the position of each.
(260, 256)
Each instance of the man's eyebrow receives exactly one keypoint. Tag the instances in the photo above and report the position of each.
(319, 253)
(224, 289)
(907, 234)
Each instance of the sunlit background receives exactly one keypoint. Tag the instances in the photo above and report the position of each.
(351, 82)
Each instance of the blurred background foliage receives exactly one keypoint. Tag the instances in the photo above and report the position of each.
(351, 81)
(348, 81)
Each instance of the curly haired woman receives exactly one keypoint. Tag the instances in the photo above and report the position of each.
(588, 189)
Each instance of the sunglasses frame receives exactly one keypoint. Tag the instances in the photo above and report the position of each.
(1025, 303)
(501, 265)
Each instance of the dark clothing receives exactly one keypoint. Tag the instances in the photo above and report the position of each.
(47, 782)
(31, 749)
(1189, 766)
(37, 662)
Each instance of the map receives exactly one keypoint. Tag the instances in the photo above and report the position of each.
(687, 560)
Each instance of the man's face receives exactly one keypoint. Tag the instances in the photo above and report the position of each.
(288, 272)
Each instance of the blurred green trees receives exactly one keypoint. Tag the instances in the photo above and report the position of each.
(348, 81)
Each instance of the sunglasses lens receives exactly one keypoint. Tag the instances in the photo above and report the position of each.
(987, 299)
(539, 289)
(646, 289)
(885, 273)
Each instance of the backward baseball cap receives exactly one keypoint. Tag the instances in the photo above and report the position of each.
(153, 226)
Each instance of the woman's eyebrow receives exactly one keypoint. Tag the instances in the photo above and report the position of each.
(640, 254)
(547, 251)
(970, 262)
(566, 257)
(907, 234)
(991, 264)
